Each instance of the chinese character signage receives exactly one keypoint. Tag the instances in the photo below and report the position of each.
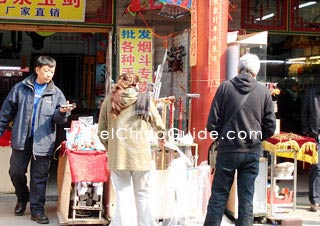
(52, 10)
(214, 41)
(193, 35)
(136, 53)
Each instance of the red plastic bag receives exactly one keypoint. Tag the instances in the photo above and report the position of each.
(5, 139)
(89, 166)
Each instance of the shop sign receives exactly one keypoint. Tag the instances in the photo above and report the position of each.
(52, 10)
(136, 53)
(60, 38)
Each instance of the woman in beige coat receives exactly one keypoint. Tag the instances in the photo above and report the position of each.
(127, 121)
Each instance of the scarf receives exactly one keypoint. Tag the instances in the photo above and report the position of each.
(143, 105)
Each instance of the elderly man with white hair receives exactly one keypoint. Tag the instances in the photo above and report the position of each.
(242, 114)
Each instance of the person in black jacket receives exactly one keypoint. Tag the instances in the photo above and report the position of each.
(289, 107)
(240, 144)
(36, 107)
(310, 118)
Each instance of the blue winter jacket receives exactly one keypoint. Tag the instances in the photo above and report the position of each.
(18, 106)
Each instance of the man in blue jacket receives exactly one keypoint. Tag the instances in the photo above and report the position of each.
(240, 139)
(35, 105)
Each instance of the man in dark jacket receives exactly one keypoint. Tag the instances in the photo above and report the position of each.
(35, 106)
(310, 127)
(240, 142)
(289, 107)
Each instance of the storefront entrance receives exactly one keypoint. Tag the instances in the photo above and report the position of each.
(83, 64)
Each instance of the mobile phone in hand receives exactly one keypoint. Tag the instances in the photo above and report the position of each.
(68, 105)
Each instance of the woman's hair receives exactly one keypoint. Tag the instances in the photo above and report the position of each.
(125, 81)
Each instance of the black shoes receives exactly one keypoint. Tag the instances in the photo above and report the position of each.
(20, 208)
(40, 218)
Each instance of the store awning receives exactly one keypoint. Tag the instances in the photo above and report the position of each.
(54, 28)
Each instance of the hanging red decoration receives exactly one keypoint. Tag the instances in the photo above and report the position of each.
(182, 3)
(141, 5)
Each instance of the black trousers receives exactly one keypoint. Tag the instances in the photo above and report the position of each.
(314, 182)
(39, 174)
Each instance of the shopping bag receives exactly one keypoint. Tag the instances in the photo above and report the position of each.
(212, 155)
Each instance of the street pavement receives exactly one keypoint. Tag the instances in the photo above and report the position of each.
(7, 203)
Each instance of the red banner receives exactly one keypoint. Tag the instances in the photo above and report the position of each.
(214, 37)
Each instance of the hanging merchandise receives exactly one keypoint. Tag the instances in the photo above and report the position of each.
(82, 174)
(140, 5)
(175, 9)
(37, 40)
(182, 3)
(174, 58)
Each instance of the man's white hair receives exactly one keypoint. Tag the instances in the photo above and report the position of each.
(249, 63)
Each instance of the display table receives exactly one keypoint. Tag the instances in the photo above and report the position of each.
(292, 146)
(304, 147)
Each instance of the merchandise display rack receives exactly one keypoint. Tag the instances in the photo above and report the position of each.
(274, 215)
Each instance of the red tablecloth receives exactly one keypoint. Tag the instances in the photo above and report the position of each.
(5, 139)
(88, 166)
(305, 147)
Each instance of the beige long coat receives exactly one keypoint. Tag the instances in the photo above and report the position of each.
(127, 138)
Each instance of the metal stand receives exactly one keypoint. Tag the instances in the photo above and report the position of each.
(274, 181)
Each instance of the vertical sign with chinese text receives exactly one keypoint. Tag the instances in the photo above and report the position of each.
(136, 53)
(52, 10)
(193, 34)
(214, 42)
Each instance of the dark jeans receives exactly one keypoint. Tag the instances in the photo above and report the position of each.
(314, 182)
(247, 166)
(39, 174)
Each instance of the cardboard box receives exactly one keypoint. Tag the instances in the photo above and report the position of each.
(6, 184)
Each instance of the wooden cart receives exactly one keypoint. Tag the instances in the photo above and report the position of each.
(66, 210)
